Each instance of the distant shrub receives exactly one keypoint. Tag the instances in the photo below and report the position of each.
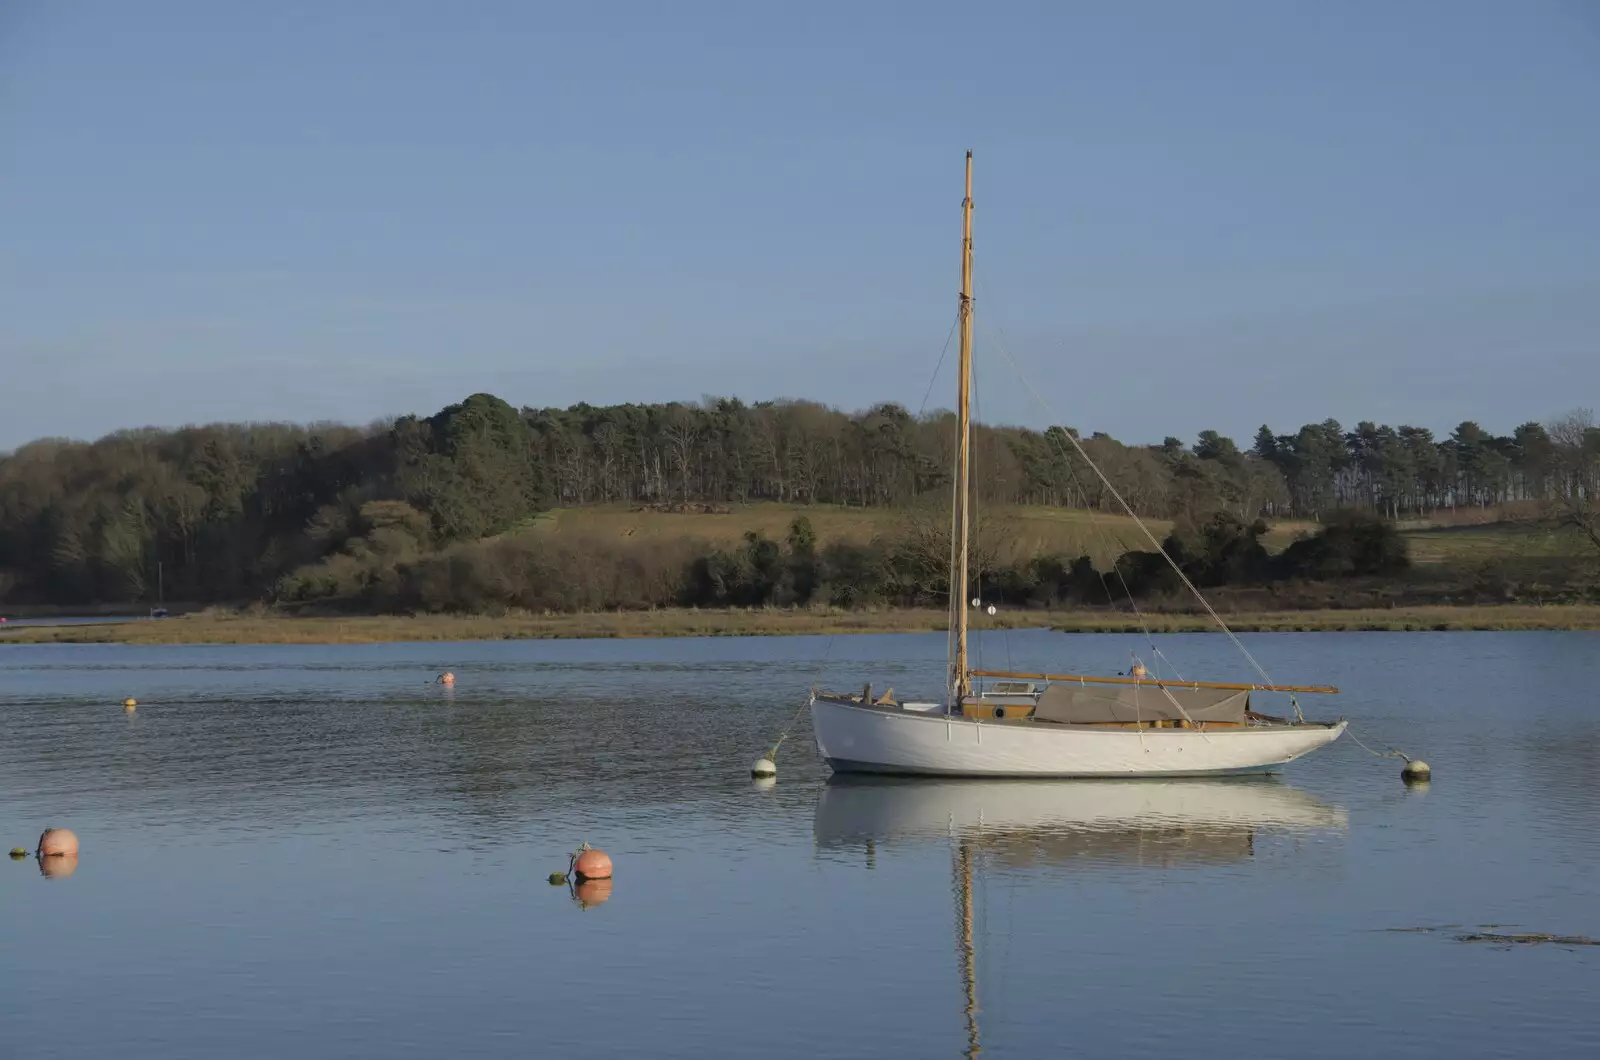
(1144, 574)
(1223, 550)
(1349, 545)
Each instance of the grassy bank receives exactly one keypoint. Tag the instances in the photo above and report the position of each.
(224, 628)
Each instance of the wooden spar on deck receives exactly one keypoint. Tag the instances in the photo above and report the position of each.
(1085, 679)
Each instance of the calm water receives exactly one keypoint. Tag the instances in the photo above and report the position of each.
(316, 852)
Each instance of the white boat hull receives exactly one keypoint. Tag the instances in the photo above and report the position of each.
(857, 739)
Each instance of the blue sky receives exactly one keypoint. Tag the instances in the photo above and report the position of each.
(1188, 215)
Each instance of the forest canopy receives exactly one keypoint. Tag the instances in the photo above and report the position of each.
(238, 512)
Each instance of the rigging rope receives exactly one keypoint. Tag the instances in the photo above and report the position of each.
(1126, 507)
(1393, 752)
(1116, 568)
(950, 614)
(783, 734)
(1175, 671)
(972, 522)
(936, 368)
(953, 599)
(772, 753)
(1105, 536)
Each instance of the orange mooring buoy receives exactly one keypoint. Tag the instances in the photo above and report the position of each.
(591, 864)
(58, 843)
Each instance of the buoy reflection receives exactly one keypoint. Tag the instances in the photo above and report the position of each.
(590, 893)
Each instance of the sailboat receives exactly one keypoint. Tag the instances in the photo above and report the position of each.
(996, 723)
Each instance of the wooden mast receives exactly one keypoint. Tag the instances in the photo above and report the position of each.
(959, 580)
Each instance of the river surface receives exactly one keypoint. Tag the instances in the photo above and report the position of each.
(318, 852)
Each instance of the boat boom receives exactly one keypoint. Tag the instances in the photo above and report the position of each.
(1089, 680)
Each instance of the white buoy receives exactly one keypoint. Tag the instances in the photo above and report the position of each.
(763, 783)
(763, 767)
(1416, 770)
(991, 609)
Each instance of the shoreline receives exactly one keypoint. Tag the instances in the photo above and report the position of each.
(236, 628)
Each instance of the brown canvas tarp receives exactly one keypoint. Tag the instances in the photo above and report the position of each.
(1067, 703)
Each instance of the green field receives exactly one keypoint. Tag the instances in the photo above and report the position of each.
(1511, 541)
(1033, 531)
(1017, 531)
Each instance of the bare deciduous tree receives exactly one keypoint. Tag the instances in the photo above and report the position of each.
(683, 429)
(1576, 500)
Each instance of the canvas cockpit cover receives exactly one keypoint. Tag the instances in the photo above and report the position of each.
(1066, 703)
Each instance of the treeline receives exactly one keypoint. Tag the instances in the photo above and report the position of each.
(387, 568)
(229, 512)
(726, 451)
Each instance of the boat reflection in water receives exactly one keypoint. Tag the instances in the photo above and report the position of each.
(1018, 823)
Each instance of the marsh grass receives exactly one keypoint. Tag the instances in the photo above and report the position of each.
(223, 627)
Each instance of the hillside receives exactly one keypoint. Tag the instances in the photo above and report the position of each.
(443, 513)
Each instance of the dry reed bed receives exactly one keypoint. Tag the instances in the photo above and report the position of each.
(242, 628)
(214, 627)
